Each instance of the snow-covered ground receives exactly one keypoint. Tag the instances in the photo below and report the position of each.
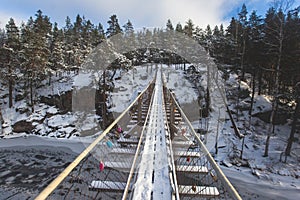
(255, 176)
(127, 88)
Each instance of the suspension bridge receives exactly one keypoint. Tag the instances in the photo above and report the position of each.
(158, 155)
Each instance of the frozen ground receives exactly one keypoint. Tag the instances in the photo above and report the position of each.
(255, 177)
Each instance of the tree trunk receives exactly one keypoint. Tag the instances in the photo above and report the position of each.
(275, 95)
(1, 122)
(114, 73)
(10, 91)
(104, 100)
(293, 130)
(259, 82)
(237, 102)
(266, 154)
(50, 77)
(253, 93)
(10, 87)
(242, 60)
(31, 95)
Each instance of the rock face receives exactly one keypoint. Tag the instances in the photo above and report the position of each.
(22, 126)
(63, 101)
(280, 117)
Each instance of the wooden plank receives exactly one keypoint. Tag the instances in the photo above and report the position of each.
(126, 166)
(186, 154)
(202, 191)
(128, 141)
(192, 169)
(123, 151)
(109, 186)
(178, 118)
(182, 143)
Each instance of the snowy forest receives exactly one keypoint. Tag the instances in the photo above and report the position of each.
(262, 49)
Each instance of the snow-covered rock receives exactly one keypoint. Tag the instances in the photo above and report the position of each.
(61, 120)
(261, 104)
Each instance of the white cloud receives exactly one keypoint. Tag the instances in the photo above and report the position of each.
(142, 13)
(157, 12)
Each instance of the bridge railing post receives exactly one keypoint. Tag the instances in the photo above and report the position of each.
(140, 110)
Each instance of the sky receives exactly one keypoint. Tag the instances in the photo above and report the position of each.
(142, 13)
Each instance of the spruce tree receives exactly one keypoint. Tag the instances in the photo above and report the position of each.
(113, 26)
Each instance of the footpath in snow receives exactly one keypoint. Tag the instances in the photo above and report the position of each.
(153, 181)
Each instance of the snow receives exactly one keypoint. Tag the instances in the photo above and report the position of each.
(82, 80)
(261, 104)
(59, 85)
(52, 110)
(180, 86)
(61, 120)
(127, 89)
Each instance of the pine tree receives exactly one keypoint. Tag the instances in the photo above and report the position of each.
(169, 25)
(97, 35)
(35, 51)
(243, 37)
(296, 116)
(113, 26)
(179, 28)
(291, 53)
(27, 54)
(128, 28)
(87, 38)
(208, 39)
(189, 28)
(101, 31)
(2, 36)
(231, 43)
(218, 44)
(129, 39)
(255, 54)
(68, 42)
(56, 60)
(78, 48)
(275, 30)
(41, 43)
(222, 30)
(9, 56)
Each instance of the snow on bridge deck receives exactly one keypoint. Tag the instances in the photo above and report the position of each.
(153, 180)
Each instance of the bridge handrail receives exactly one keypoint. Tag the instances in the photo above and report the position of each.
(214, 165)
(55, 183)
